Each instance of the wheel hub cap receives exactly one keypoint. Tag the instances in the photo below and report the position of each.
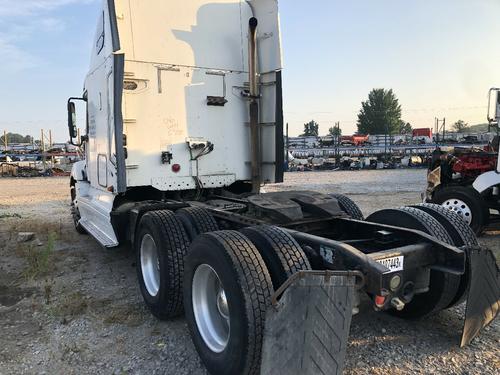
(460, 207)
(211, 308)
(150, 265)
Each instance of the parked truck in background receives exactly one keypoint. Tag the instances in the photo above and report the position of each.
(184, 124)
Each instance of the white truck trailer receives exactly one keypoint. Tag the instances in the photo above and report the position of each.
(184, 124)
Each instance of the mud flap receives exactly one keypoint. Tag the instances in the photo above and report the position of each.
(307, 329)
(483, 302)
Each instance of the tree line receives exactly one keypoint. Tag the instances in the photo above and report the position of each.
(379, 114)
(16, 138)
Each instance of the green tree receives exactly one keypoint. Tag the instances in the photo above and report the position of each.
(334, 131)
(311, 129)
(460, 126)
(16, 138)
(405, 127)
(380, 114)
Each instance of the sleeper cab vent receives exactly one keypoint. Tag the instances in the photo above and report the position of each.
(217, 101)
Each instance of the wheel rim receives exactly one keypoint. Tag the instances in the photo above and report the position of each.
(460, 207)
(210, 307)
(150, 265)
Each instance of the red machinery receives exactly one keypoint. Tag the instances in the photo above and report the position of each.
(355, 140)
(471, 165)
(422, 132)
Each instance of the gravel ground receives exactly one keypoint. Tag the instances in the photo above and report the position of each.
(79, 310)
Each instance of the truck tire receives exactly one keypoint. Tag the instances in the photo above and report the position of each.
(282, 255)
(461, 234)
(75, 213)
(465, 201)
(349, 206)
(443, 287)
(161, 245)
(226, 284)
(196, 220)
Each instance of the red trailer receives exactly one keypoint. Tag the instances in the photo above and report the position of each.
(422, 132)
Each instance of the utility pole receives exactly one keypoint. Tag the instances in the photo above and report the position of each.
(436, 131)
(42, 145)
(50, 147)
(444, 129)
(5, 140)
(438, 128)
(287, 145)
(337, 144)
(385, 142)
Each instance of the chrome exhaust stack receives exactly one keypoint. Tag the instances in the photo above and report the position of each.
(254, 105)
(252, 57)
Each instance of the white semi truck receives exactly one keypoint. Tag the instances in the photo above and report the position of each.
(184, 124)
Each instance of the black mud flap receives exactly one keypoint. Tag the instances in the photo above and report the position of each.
(307, 329)
(483, 302)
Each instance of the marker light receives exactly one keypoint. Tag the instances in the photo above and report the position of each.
(379, 301)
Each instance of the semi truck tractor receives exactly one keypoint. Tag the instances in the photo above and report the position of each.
(183, 126)
(467, 180)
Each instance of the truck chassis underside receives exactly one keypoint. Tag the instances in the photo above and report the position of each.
(335, 244)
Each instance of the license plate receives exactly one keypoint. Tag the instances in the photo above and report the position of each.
(394, 263)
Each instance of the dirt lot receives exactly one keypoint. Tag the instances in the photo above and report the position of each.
(68, 306)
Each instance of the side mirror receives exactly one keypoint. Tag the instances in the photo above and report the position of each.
(72, 120)
(497, 108)
(73, 132)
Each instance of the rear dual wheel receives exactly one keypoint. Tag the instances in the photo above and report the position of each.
(347, 205)
(461, 234)
(443, 287)
(282, 255)
(227, 290)
(161, 245)
(228, 282)
(196, 220)
(225, 280)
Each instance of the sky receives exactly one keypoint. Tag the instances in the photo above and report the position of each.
(439, 56)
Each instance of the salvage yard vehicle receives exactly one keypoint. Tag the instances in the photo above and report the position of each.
(184, 126)
(467, 180)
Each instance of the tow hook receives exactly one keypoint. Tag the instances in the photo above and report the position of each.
(397, 303)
